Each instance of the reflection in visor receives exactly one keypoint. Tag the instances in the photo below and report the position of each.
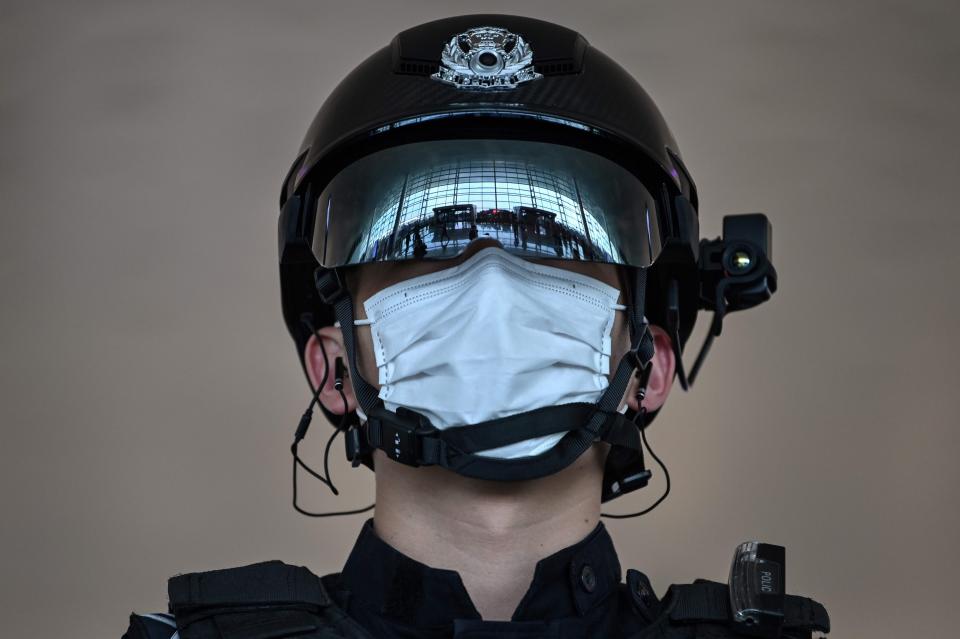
(429, 200)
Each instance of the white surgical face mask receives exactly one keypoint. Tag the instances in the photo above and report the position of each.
(491, 337)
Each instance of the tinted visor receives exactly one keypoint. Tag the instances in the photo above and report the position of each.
(429, 200)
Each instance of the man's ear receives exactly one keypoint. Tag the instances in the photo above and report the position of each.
(661, 375)
(332, 340)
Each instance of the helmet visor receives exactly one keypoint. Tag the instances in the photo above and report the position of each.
(429, 200)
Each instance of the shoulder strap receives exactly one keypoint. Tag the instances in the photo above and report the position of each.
(261, 601)
(266, 582)
(706, 601)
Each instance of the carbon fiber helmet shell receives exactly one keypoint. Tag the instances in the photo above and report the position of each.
(580, 83)
(583, 99)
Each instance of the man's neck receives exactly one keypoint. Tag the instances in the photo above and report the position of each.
(491, 533)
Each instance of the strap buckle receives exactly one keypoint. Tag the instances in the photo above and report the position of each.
(355, 446)
(399, 434)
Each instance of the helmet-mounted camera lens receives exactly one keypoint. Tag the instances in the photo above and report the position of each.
(739, 259)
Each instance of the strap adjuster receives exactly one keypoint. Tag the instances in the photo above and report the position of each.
(328, 284)
(354, 444)
(642, 355)
(399, 434)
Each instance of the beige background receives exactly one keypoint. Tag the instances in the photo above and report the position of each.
(149, 389)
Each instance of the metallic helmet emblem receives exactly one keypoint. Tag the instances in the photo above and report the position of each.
(486, 58)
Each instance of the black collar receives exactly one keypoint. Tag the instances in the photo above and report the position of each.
(575, 582)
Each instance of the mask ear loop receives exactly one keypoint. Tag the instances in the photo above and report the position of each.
(304, 425)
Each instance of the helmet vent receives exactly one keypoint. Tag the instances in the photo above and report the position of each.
(555, 67)
(417, 67)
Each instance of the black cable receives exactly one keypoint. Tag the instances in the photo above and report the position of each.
(641, 414)
(326, 449)
(702, 355)
(304, 425)
(307, 418)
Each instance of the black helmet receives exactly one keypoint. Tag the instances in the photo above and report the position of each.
(421, 147)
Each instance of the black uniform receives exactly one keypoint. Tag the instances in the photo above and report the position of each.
(576, 592)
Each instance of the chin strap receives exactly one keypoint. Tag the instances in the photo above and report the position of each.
(409, 438)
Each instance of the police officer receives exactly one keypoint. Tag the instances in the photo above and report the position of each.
(490, 264)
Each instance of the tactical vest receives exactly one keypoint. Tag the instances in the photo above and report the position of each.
(273, 600)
